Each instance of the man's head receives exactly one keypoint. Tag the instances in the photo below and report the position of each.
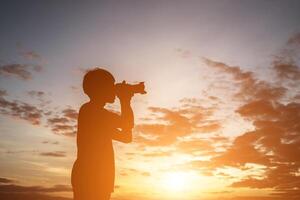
(99, 85)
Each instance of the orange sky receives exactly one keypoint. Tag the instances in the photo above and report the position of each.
(220, 119)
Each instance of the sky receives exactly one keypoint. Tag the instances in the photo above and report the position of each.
(220, 119)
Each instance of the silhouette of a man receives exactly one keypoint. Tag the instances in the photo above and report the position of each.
(93, 171)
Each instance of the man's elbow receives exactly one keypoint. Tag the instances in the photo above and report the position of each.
(128, 140)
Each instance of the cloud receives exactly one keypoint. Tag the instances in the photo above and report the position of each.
(35, 93)
(3, 93)
(30, 196)
(250, 87)
(62, 123)
(255, 198)
(27, 54)
(286, 69)
(285, 62)
(158, 154)
(195, 146)
(31, 55)
(18, 188)
(275, 140)
(12, 192)
(21, 71)
(294, 40)
(127, 171)
(65, 123)
(183, 53)
(70, 113)
(168, 125)
(50, 142)
(54, 154)
(21, 110)
(5, 180)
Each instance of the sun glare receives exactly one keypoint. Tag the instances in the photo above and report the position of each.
(175, 181)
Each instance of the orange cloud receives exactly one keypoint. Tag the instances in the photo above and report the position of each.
(167, 125)
(274, 143)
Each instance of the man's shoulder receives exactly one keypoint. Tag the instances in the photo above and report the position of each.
(86, 108)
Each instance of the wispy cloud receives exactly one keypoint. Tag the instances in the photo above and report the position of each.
(294, 40)
(250, 87)
(21, 71)
(65, 123)
(21, 110)
(54, 154)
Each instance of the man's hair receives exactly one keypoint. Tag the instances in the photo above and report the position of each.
(95, 80)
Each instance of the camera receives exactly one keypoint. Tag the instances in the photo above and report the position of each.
(131, 88)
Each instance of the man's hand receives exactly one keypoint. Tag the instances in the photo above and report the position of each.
(123, 92)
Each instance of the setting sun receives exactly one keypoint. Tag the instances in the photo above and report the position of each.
(177, 181)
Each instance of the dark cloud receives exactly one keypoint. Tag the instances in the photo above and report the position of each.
(65, 123)
(11, 188)
(14, 192)
(62, 123)
(59, 120)
(30, 196)
(285, 62)
(250, 87)
(54, 154)
(3, 93)
(294, 40)
(21, 71)
(287, 69)
(41, 97)
(21, 110)
(70, 113)
(5, 180)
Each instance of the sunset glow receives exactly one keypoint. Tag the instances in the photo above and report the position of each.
(220, 120)
(176, 182)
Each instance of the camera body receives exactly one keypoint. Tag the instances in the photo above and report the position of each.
(130, 88)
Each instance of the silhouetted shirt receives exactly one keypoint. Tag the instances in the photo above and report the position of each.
(95, 155)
